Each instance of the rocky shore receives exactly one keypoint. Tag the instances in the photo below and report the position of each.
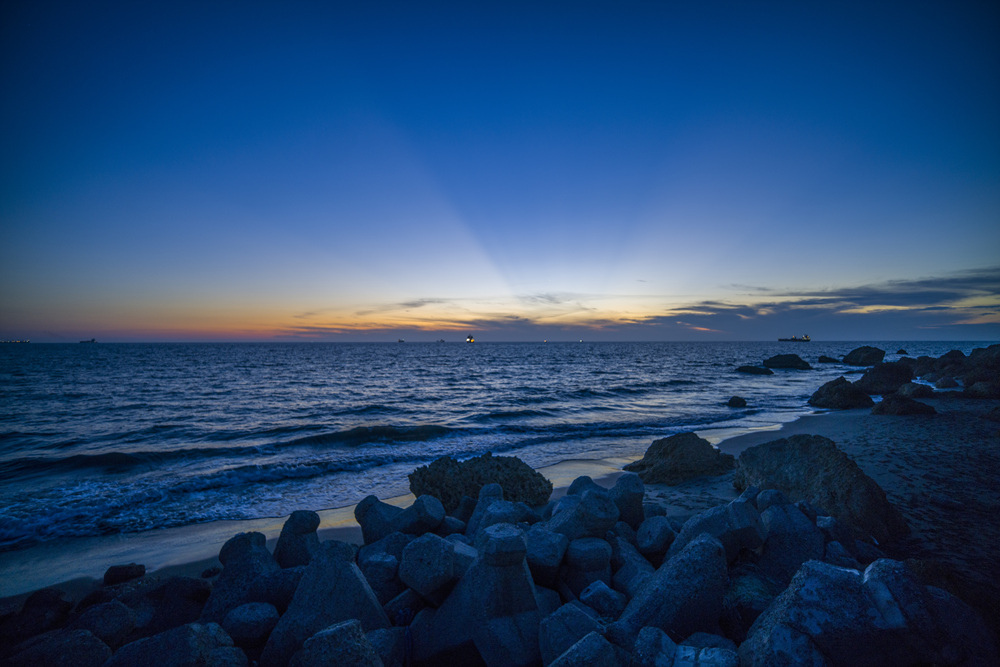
(872, 545)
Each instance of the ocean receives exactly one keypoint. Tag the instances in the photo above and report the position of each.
(100, 439)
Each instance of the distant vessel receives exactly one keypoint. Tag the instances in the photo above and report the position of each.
(470, 339)
(15, 341)
(440, 340)
(400, 341)
(795, 339)
(92, 340)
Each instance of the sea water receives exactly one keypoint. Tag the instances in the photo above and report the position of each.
(101, 439)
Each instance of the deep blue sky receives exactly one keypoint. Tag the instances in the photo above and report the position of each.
(625, 170)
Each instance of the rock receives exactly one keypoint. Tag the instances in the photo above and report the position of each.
(423, 516)
(118, 574)
(737, 402)
(491, 616)
(298, 540)
(332, 590)
(840, 394)
(390, 644)
(792, 361)
(737, 526)
(831, 616)
(381, 571)
(545, 551)
(754, 370)
(588, 559)
(864, 356)
(607, 602)
(191, 644)
(591, 651)
(111, 622)
(591, 515)
(584, 483)
(894, 404)
(946, 383)
(823, 359)
(340, 645)
(679, 458)
(985, 389)
(43, 610)
(175, 602)
(653, 648)
(884, 378)
(812, 468)
(654, 538)
(631, 569)
(375, 518)
(628, 494)
(682, 597)
(504, 511)
(901, 351)
(244, 557)
(748, 594)
(449, 480)
(915, 390)
(489, 494)
(251, 624)
(708, 640)
(428, 567)
(561, 629)
(836, 554)
(277, 588)
(792, 539)
(402, 608)
(61, 648)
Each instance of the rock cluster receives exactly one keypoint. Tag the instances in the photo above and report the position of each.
(679, 458)
(449, 480)
(590, 579)
(978, 374)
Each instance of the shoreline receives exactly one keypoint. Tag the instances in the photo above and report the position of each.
(189, 550)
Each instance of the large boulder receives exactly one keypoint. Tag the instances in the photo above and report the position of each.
(754, 370)
(840, 394)
(679, 458)
(684, 596)
(61, 648)
(244, 558)
(332, 590)
(864, 356)
(885, 378)
(895, 404)
(191, 644)
(830, 615)
(592, 514)
(298, 540)
(792, 361)
(449, 480)
(343, 644)
(812, 468)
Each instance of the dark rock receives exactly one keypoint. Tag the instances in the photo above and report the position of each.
(607, 602)
(654, 538)
(381, 571)
(737, 526)
(584, 483)
(117, 574)
(488, 494)
(984, 389)
(449, 480)
(901, 351)
(298, 540)
(491, 616)
(43, 610)
(683, 596)
(792, 361)
(428, 567)
(191, 644)
(628, 494)
(277, 588)
(591, 651)
(342, 644)
(894, 404)
(423, 516)
(545, 551)
(823, 359)
(390, 644)
(915, 390)
(993, 415)
(561, 629)
(748, 594)
(251, 624)
(111, 622)
(375, 518)
(679, 458)
(809, 467)
(61, 648)
(591, 515)
(402, 608)
(504, 511)
(332, 590)
(840, 394)
(946, 383)
(174, 602)
(884, 378)
(737, 402)
(754, 370)
(836, 554)
(792, 539)
(244, 557)
(708, 640)
(864, 356)
(588, 559)
(211, 572)
(653, 648)
(631, 569)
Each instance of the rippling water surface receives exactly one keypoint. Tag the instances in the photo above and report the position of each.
(106, 438)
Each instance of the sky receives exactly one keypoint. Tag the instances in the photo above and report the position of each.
(202, 171)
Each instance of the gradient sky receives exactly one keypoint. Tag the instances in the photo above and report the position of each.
(519, 171)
